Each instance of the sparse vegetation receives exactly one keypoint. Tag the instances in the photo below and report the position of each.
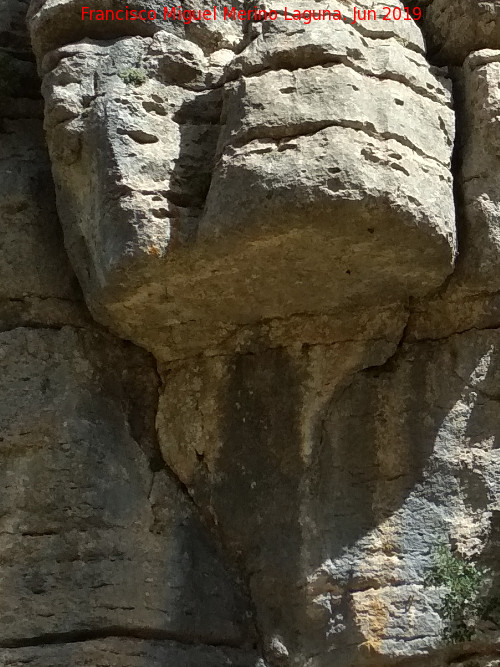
(134, 76)
(464, 601)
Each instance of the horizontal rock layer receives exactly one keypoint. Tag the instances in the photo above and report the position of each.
(274, 210)
(123, 652)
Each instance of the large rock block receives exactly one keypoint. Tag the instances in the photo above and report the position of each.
(334, 473)
(471, 298)
(54, 23)
(37, 284)
(95, 537)
(455, 29)
(201, 191)
(479, 179)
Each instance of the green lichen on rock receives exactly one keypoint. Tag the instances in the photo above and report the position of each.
(134, 76)
(464, 602)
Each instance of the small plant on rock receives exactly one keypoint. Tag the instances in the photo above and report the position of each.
(463, 603)
(134, 76)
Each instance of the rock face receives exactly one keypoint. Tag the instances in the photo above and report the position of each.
(479, 178)
(201, 197)
(375, 464)
(297, 222)
(455, 29)
(126, 653)
(99, 541)
(93, 537)
(36, 281)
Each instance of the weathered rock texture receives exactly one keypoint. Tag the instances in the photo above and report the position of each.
(92, 537)
(356, 452)
(298, 224)
(125, 652)
(455, 29)
(98, 539)
(36, 281)
(224, 190)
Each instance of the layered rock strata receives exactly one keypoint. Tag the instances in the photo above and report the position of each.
(104, 558)
(222, 188)
(275, 211)
(95, 536)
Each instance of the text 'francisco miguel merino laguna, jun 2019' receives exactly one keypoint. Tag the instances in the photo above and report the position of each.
(255, 14)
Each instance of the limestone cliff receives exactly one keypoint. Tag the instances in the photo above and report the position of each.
(250, 336)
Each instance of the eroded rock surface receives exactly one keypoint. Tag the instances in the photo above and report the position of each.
(98, 539)
(123, 652)
(376, 464)
(222, 188)
(470, 298)
(455, 29)
(37, 284)
(92, 537)
(479, 176)
(55, 23)
(274, 210)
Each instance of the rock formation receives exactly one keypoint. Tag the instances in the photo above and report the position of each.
(250, 342)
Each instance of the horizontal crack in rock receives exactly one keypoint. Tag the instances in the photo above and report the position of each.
(76, 636)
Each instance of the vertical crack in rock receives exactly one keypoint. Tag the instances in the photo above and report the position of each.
(469, 298)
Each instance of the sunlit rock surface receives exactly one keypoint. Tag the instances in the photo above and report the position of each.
(205, 189)
(297, 223)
